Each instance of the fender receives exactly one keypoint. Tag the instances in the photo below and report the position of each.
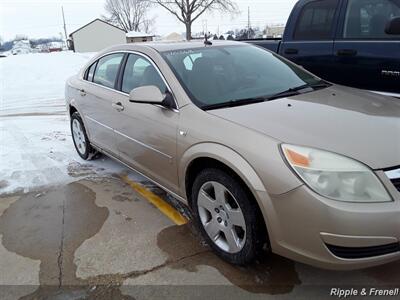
(226, 156)
(73, 103)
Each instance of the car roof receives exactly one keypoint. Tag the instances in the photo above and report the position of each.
(163, 46)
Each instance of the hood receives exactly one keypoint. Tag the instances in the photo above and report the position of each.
(351, 122)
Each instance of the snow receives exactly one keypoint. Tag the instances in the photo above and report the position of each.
(21, 47)
(34, 83)
(137, 34)
(36, 147)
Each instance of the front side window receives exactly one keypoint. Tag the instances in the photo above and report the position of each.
(316, 21)
(107, 70)
(220, 74)
(367, 19)
(140, 72)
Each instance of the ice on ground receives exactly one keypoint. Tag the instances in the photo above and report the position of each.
(36, 147)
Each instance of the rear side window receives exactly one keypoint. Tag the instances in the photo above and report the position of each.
(316, 21)
(107, 70)
(90, 72)
(140, 72)
(367, 19)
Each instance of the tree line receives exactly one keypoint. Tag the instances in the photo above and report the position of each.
(132, 15)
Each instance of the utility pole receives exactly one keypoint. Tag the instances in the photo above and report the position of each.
(65, 26)
(248, 22)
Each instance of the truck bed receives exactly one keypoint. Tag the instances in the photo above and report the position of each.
(270, 43)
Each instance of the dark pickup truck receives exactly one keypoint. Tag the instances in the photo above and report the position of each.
(349, 42)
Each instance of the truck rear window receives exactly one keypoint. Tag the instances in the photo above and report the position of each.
(316, 21)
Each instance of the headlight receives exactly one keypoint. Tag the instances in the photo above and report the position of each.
(335, 176)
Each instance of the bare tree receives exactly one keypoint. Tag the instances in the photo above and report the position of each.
(148, 25)
(188, 11)
(129, 14)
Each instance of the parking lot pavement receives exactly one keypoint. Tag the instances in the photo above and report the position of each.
(99, 238)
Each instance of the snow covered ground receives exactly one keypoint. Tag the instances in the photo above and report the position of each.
(36, 147)
(34, 83)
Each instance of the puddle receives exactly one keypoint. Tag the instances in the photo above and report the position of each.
(273, 275)
(122, 198)
(50, 228)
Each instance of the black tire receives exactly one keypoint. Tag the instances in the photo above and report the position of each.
(90, 153)
(255, 236)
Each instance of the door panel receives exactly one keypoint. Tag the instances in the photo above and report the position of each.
(146, 139)
(97, 99)
(100, 116)
(146, 134)
(366, 57)
(311, 41)
(314, 56)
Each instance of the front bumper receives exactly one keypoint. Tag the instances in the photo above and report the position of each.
(309, 228)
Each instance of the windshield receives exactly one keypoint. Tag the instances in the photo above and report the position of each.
(225, 74)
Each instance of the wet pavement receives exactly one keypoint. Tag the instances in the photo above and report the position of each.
(99, 239)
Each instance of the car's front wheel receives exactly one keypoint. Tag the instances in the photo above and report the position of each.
(228, 217)
(80, 138)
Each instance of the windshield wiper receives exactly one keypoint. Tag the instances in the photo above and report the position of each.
(233, 103)
(290, 92)
(296, 90)
(320, 85)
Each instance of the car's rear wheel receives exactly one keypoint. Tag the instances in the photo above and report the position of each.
(227, 216)
(80, 138)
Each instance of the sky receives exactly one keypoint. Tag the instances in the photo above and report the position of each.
(43, 18)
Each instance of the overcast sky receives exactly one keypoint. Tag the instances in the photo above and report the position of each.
(42, 18)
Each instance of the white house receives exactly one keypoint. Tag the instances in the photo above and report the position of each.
(138, 37)
(96, 36)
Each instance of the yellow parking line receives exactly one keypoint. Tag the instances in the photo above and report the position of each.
(158, 202)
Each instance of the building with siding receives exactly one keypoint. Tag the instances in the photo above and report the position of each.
(138, 37)
(96, 36)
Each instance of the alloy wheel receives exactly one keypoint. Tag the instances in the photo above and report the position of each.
(79, 136)
(221, 217)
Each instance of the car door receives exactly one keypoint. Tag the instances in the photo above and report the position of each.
(309, 39)
(146, 134)
(98, 94)
(367, 57)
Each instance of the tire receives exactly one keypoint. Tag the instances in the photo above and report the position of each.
(80, 138)
(223, 221)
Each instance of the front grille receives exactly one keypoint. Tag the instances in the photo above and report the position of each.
(363, 252)
(396, 183)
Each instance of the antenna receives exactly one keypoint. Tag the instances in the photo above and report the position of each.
(206, 41)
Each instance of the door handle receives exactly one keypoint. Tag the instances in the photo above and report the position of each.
(291, 51)
(82, 92)
(346, 52)
(118, 106)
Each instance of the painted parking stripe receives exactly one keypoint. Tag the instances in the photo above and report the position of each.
(169, 211)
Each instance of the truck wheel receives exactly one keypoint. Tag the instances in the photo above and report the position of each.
(79, 136)
(227, 216)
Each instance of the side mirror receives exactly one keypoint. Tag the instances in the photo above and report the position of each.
(148, 94)
(151, 94)
(393, 26)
